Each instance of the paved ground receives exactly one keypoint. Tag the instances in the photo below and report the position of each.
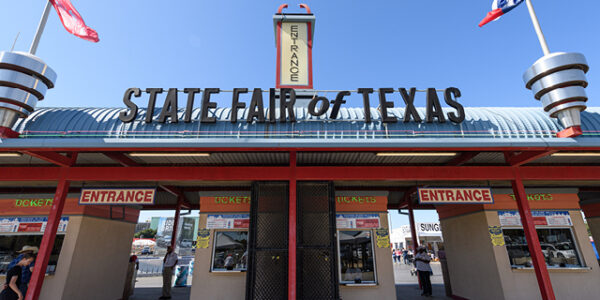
(407, 288)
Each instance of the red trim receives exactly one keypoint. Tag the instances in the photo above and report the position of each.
(281, 7)
(305, 6)
(570, 132)
(533, 242)
(7, 133)
(245, 173)
(39, 271)
(292, 231)
(591, 210)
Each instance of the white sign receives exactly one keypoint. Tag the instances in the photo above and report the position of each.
(293, 64)
(429, 229)
(540, 217)
(228, 221)
(350, 221)
(455, 196)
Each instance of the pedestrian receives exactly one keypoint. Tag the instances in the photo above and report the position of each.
(422, 261)
(394, 257)
(14, 276)
(229, 263)
(398, 255)
(405, 256)
(169, 263)
(27, 270)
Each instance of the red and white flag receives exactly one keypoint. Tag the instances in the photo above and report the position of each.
(499, 8)
(73, 22)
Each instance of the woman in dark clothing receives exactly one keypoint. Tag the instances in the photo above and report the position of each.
(13, 279)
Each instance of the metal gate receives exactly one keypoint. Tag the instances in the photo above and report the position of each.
(268, 242)
(317, 276)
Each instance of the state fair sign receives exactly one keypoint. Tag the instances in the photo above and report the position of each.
(455, 196)
(109, 196)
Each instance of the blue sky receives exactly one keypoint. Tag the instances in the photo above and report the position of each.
(227, 44)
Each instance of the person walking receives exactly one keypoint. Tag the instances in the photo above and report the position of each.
(169, 263)
(14, 276)
(422, 260)
(394, 257)
(27, 270)
(405, 256)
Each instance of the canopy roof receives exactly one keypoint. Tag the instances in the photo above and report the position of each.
(483, 127)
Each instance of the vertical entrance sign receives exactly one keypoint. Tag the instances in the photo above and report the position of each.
(293, 39)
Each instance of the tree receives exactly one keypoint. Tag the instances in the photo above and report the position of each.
(146, 234)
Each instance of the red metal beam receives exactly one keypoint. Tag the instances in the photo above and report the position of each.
(292, 230)
(363, 173)
(463, 158)
(52, 157)
(39, 271)
(122, 159)
(533, 242)
(178, 192)
(525, 157)
(176, 221)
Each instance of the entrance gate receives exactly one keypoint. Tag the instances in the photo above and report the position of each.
(267, 276)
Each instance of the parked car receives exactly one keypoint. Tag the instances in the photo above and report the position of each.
(147, 251)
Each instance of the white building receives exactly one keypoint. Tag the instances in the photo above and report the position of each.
(428, 234)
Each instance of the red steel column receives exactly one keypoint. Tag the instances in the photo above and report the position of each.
(533, 242)
(176, 221)
(413, 230)
(292, 230)
(41, 263)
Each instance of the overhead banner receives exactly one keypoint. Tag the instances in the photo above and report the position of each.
(361, 203)
(429, 229)
(29, 224)
(294, 65)
(107, 196)
(455, 196)
(225, 204)
(540, 217)
(351, 221)
(228, 221)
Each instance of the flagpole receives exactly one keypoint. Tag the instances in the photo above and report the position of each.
(538, 29)
(40, 28)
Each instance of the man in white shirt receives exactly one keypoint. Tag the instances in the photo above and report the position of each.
(169, 263)
(422, 260)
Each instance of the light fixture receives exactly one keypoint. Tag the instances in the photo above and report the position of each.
(168, 154)
(10, 154)
(416, 154)
(571, 154)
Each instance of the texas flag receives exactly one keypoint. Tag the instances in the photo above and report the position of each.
(73, 22)
(499, 7)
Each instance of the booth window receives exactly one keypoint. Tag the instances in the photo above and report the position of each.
(10, 244)
(558, 246)
(357, 260)
(230, 251)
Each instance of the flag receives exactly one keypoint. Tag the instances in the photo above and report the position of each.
(72, 20)
(499, 7)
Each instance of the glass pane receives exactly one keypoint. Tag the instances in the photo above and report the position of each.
(10, 244)
(356, 257)
(231, 252)
(558, 247)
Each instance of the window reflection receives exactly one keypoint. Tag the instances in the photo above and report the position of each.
(356, 257)
(230, 251)
(558, 247)
(10, 244)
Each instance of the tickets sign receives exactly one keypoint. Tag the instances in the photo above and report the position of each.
(129, 196)
(455, 196)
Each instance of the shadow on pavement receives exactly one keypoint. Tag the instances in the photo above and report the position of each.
(149, 293)
(412, 291)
